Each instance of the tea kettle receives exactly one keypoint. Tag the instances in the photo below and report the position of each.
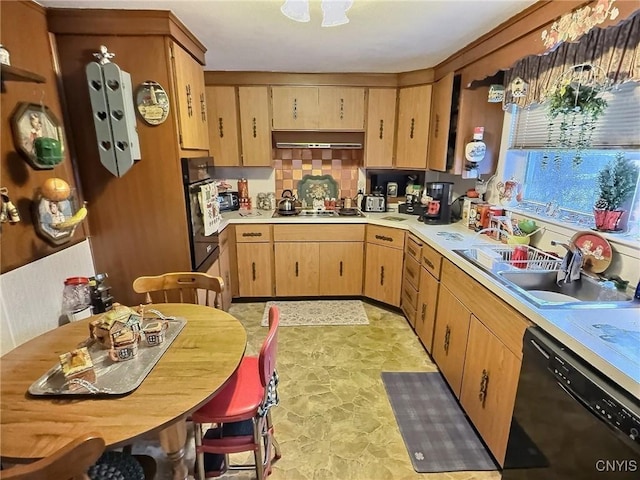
(287, 203)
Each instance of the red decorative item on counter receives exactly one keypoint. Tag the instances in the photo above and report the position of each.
(243, 188)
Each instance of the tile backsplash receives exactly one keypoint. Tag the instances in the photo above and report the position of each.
(291, 164)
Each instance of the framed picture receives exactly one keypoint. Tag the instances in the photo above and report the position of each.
(392, 189)
(31, 122)
(48, 213)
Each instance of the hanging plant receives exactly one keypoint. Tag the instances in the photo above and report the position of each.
(573, 108)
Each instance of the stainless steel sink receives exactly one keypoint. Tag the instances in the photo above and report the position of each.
(536, 280)
(542, 289)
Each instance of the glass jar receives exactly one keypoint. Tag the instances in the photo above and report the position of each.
(76, 295)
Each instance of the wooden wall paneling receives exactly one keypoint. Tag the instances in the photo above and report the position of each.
(302, 79)
(23, 31)
(476, 111)
(138, 221)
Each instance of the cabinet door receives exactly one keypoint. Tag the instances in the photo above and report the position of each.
(489, 387)
(414, 111)
(439, 126)
(341, 268)
(297, 268)
(381, 127)
(426, 314)
(341, 108)
(225, 272)
(383, 274)
(190, 91)
(294, 108)
(255, 269)
(450, 338)
(222, 108)
(254, 121)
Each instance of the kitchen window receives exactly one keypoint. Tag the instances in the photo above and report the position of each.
(553, 185)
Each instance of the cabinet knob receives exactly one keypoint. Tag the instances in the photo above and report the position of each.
(424, 311)
(381, 129)
(295, 108)
(203, 108)
(342, 109)
(340, 267)
(447, 338)
(437, 129)
(255, 128)
(253, 270)
(413, 125)
(296, 269)
(220, 127)
(382, 275)
(484, 382)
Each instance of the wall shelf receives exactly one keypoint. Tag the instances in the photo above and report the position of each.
(15, 74)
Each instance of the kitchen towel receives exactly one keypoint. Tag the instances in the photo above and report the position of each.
(210, 208)
(436, 432)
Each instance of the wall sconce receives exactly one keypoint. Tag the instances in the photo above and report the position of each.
(334, 12)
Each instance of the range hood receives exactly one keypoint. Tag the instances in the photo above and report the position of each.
(314, 139)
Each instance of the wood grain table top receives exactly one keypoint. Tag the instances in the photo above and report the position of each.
(196, 365)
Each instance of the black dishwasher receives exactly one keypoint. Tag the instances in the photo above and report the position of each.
(569, 422)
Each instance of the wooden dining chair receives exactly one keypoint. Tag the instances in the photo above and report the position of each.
(84, 459)
(181, 287)
(241, 412)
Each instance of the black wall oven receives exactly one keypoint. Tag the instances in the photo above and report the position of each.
(204, 248)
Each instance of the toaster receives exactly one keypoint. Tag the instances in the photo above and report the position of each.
(374, 203)
(229, 201)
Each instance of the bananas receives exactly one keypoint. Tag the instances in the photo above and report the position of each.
(71, 222)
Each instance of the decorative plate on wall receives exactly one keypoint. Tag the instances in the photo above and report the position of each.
(596, 251)
(152, 102)
(317, 187)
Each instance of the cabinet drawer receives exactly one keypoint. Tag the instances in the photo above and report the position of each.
(431, 260)
(318, 233)
(503, 321)
(253, 233)
(409, 311)
(412, 271)
(413, 247)
(409, 295)
(387, 237)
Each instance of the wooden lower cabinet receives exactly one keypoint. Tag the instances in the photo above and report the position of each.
(341, 268)
(489, 386)
(312, 260)
(427, 303)
(450, 338)
(255, 269)
(383, 274)
(224, 261)
(297, 268)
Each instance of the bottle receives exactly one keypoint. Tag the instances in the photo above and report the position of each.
(243, 188)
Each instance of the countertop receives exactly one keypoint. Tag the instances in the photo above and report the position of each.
(617, 359)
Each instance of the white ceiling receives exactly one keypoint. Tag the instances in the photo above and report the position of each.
(383, 36)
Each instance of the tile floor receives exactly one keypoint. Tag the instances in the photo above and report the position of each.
(334, 420)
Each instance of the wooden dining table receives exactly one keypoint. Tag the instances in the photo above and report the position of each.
(196, 365)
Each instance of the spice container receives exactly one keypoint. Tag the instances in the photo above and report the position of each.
(76, 298)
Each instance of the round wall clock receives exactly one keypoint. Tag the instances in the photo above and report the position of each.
(152, 102)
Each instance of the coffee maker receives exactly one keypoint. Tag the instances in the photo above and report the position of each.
(437, 211)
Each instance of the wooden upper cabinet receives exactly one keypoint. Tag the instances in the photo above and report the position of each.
(341, 108)
(381, 127)
(439, 130)
(191, 100)
(294, 108)
(317, 108)
(254, 124)
(414, 112)
(222, 108)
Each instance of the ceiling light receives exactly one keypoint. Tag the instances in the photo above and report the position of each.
(297, 10)
(334, 12)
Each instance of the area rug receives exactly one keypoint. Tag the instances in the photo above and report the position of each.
(318, 312)
(436, 432)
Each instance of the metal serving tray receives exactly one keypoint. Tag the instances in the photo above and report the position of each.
(112, 378)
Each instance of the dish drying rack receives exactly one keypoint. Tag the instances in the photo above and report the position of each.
(500, 257)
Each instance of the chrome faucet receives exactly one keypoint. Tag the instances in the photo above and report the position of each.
(569, 247)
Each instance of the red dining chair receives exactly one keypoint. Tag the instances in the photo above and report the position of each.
(241, 412)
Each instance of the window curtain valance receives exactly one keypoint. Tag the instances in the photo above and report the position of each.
(615, 49)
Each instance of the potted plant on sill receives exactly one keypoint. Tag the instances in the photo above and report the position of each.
(617, 182)
(577, 103)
